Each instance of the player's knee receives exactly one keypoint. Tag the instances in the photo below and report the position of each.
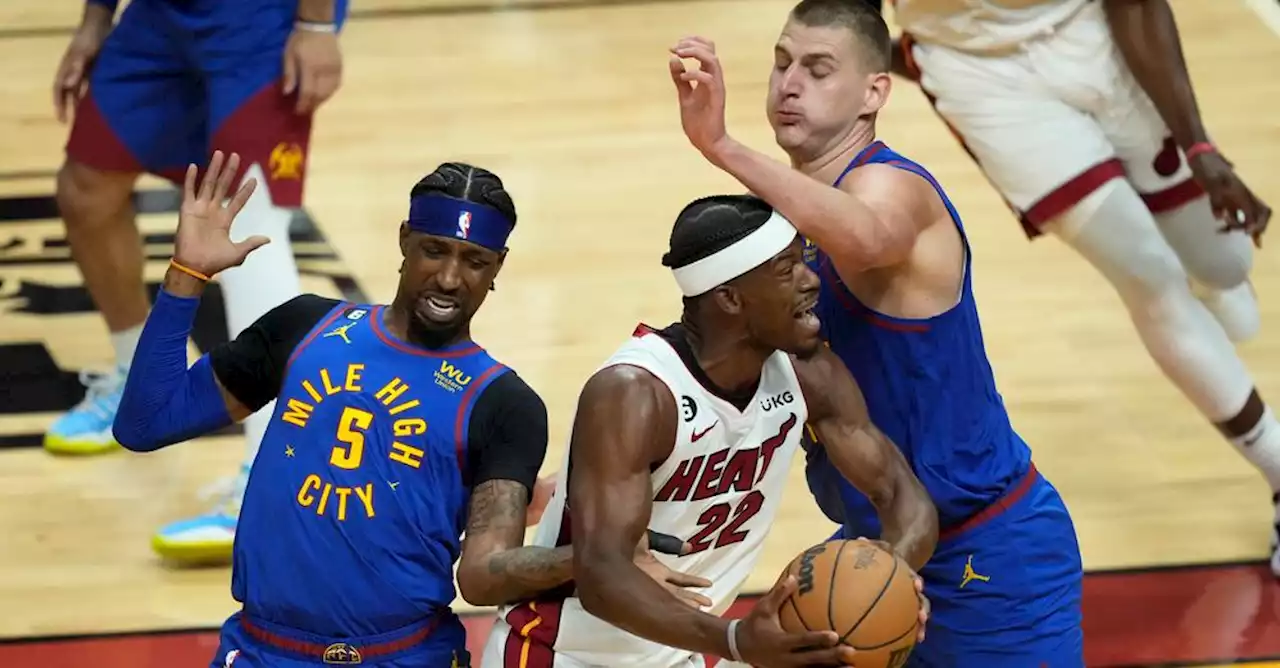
(1224, 270)
(88, 196)
(1113, 230)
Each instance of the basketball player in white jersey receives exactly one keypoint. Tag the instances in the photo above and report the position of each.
(691, 431)
(1083, 117)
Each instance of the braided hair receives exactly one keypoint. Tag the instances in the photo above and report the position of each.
(470, 183)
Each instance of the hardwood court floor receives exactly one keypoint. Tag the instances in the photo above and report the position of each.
(573, 107)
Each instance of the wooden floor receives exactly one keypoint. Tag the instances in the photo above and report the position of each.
(573, 107)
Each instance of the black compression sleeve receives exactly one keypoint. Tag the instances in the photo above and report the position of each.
(507, 438)
(252, 366)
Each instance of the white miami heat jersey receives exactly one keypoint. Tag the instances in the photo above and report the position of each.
(719, 490)
(983, 26)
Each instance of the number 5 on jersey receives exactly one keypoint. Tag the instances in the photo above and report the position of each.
(351, 427)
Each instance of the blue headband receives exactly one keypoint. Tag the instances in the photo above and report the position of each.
(445, 216)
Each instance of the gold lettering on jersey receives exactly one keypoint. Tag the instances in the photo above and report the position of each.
(451, 377)
(315, 493)
(297, 413)
(391, 391)
(406, 454)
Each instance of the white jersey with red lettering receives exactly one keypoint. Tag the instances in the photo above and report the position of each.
(718, 490)
(983, 26)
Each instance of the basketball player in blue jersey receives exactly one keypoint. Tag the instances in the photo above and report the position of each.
(165, 85)
(393, 431)
(897, 307)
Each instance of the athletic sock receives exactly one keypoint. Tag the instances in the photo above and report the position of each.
(125, 343)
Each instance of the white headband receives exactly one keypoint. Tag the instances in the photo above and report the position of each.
(736, 259)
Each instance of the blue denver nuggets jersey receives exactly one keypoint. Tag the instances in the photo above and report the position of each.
(362, 466)
(928, 386)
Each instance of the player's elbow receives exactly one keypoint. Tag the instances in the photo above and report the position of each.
(477, 587)
(132, 434)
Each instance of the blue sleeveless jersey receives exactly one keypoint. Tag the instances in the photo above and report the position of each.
(928, 386)
(357, 500)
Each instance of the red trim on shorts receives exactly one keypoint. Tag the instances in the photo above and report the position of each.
(1012, 496)
(534, 627)
(94, 144)
(460, 423)
(1173, 197)
(1061, 199)
(317, 651)
(1056, 201)
(266, 130)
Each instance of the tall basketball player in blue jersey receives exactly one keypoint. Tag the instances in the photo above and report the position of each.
(897, 306)
(393, 431)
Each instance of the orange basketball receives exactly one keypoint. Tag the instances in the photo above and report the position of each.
(863, 593)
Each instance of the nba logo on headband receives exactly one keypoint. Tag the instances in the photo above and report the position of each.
(464, 224)
(445, 216)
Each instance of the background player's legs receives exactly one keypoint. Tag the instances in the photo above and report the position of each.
(1193, 351)
(251, 116)
(1114, 231)
(135, 118)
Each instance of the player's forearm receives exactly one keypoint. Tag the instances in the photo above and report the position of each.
(833, 219)
(316, 11)
(910, 521)
(516, 574)
(164, 402)
(98, 13)
(614, 589)
(1147, 36)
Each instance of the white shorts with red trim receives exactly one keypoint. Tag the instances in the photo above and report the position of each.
(1056, 119)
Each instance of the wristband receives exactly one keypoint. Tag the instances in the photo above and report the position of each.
(316, 26)
(188, 270)
(733, 641)
(1199, 148)
(665, 543)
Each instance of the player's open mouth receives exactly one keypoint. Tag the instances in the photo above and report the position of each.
(440, 309)
(805, 315)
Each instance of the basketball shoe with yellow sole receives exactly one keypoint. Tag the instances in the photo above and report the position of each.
(86, 429)
(207, 539)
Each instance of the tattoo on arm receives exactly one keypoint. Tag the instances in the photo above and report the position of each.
(495, 567)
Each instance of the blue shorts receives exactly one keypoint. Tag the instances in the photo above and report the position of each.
(1005, 588)
(168, 88)
(437, 643)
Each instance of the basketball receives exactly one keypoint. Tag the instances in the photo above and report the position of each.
(860, 591)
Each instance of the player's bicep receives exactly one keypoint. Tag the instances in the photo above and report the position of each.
(897, 217)
(625, 423)
(840, 421)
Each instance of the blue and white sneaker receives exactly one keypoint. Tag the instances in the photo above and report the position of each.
(86, 429)
(206, 539)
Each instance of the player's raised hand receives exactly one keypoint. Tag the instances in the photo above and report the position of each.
(764, 643)
(203, 240)
(700, 91)
(1232, 201)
